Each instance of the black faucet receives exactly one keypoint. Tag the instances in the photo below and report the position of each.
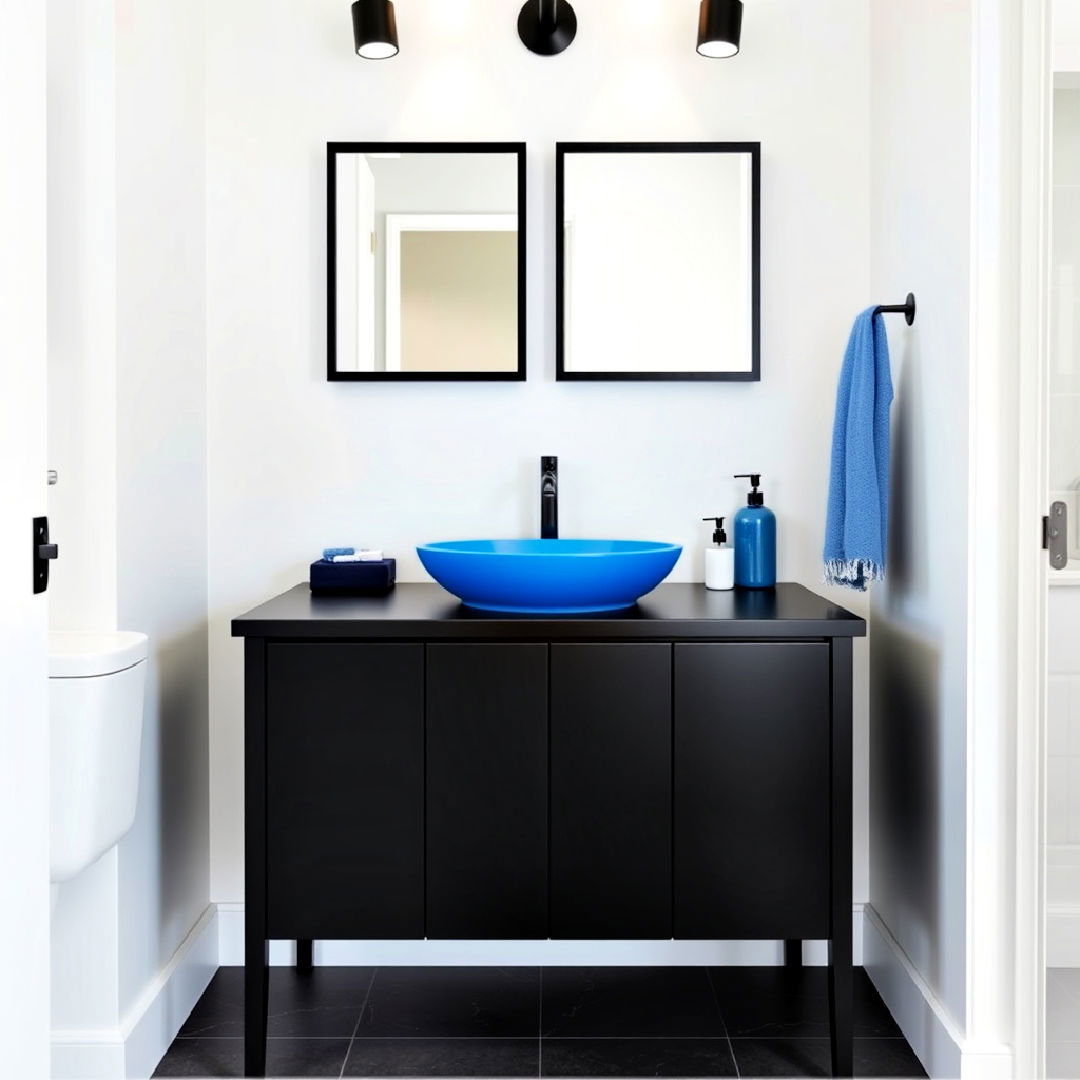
(549, 498)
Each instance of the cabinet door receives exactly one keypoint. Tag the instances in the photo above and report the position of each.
(487, 738)
(752, 790)
(345, 751)
(611, 791)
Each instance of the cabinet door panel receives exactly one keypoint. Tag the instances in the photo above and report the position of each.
(752, 790)
(611, 791)
(487, 738)
(345, 842)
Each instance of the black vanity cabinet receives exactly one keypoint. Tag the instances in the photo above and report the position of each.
(416, 769)
(344, 789)
(486, 766)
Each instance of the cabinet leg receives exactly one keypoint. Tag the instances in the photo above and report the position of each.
(304, 954)
(256, 986)
(840, 973)
(256, 947)
(841, 1004)
(792, 953)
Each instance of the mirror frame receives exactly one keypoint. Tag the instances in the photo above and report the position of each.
(332, 151)
(751, 148)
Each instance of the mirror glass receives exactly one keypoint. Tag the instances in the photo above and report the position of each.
(426, 267)
(658, 266)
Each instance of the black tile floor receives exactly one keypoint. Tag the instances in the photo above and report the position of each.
(571, 1022)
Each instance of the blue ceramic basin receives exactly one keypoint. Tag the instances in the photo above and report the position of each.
(549, 577)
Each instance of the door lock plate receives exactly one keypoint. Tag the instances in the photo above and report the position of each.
(1056, 535)
(43, 553)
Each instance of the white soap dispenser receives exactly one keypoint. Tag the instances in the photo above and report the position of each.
(719, 560)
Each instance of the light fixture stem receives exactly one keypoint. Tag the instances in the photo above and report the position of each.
(548, 17)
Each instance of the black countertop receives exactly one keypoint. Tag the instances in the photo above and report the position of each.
(671, 612)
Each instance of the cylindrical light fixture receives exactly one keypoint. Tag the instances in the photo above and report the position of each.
(374, 29)
(547, 27)
(719, 27)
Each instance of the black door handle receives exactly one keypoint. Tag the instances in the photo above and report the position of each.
(48, 551)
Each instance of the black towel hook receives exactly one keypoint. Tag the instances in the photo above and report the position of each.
(907, 308)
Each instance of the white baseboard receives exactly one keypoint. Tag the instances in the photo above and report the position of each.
(927, 1025)
(527, 953)
(132, 1050)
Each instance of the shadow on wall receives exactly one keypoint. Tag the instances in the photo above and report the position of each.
(181, 814)
(905, 809)
(905, 693)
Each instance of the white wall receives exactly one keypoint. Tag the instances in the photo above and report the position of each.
(297, 463)
(82, 312)
(161, 451)
(1066, 35)
(128, 435)
(921, 184)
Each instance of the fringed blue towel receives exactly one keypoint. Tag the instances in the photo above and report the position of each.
(858, 519)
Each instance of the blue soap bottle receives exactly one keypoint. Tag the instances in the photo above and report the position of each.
(755, 539)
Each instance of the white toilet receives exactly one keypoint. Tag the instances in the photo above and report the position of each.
(96, 686)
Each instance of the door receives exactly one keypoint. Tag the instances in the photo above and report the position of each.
(1062, 731)
(752, 787)
(611, 791)
(24, 721)
(345, 798)
(487, 777)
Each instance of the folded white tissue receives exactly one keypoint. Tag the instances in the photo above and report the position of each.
(363, 555)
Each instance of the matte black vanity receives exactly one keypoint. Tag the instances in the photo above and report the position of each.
(417, 769)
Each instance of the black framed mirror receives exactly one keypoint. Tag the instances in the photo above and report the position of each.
(425, 261)
(658, 261)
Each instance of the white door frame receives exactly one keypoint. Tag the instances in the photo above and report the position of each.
(1009, 493)
(24, 722)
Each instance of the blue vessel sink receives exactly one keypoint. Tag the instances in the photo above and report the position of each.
(549, 577)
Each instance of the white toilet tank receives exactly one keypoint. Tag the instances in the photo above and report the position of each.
(96, 686)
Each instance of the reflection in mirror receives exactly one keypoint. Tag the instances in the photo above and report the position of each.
(658, 262)
(426, 261)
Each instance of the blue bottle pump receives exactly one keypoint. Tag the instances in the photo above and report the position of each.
(755, 539)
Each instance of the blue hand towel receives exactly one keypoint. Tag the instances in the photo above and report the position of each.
(857, 524)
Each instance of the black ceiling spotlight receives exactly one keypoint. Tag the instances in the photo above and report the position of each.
(719, 27)
(374, 29)
(547, 26)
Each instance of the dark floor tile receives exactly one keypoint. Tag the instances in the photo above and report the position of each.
(777, 1002)
(205, 1058)
(322, 1003)
(630, 1001)
(811, 1057)
(636, 1057)
(443, 1057)
(474, 1002)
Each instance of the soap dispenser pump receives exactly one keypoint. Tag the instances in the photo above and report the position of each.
(719, 560)
(755, 539)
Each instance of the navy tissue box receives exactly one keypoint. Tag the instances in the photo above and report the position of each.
(353, 578)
